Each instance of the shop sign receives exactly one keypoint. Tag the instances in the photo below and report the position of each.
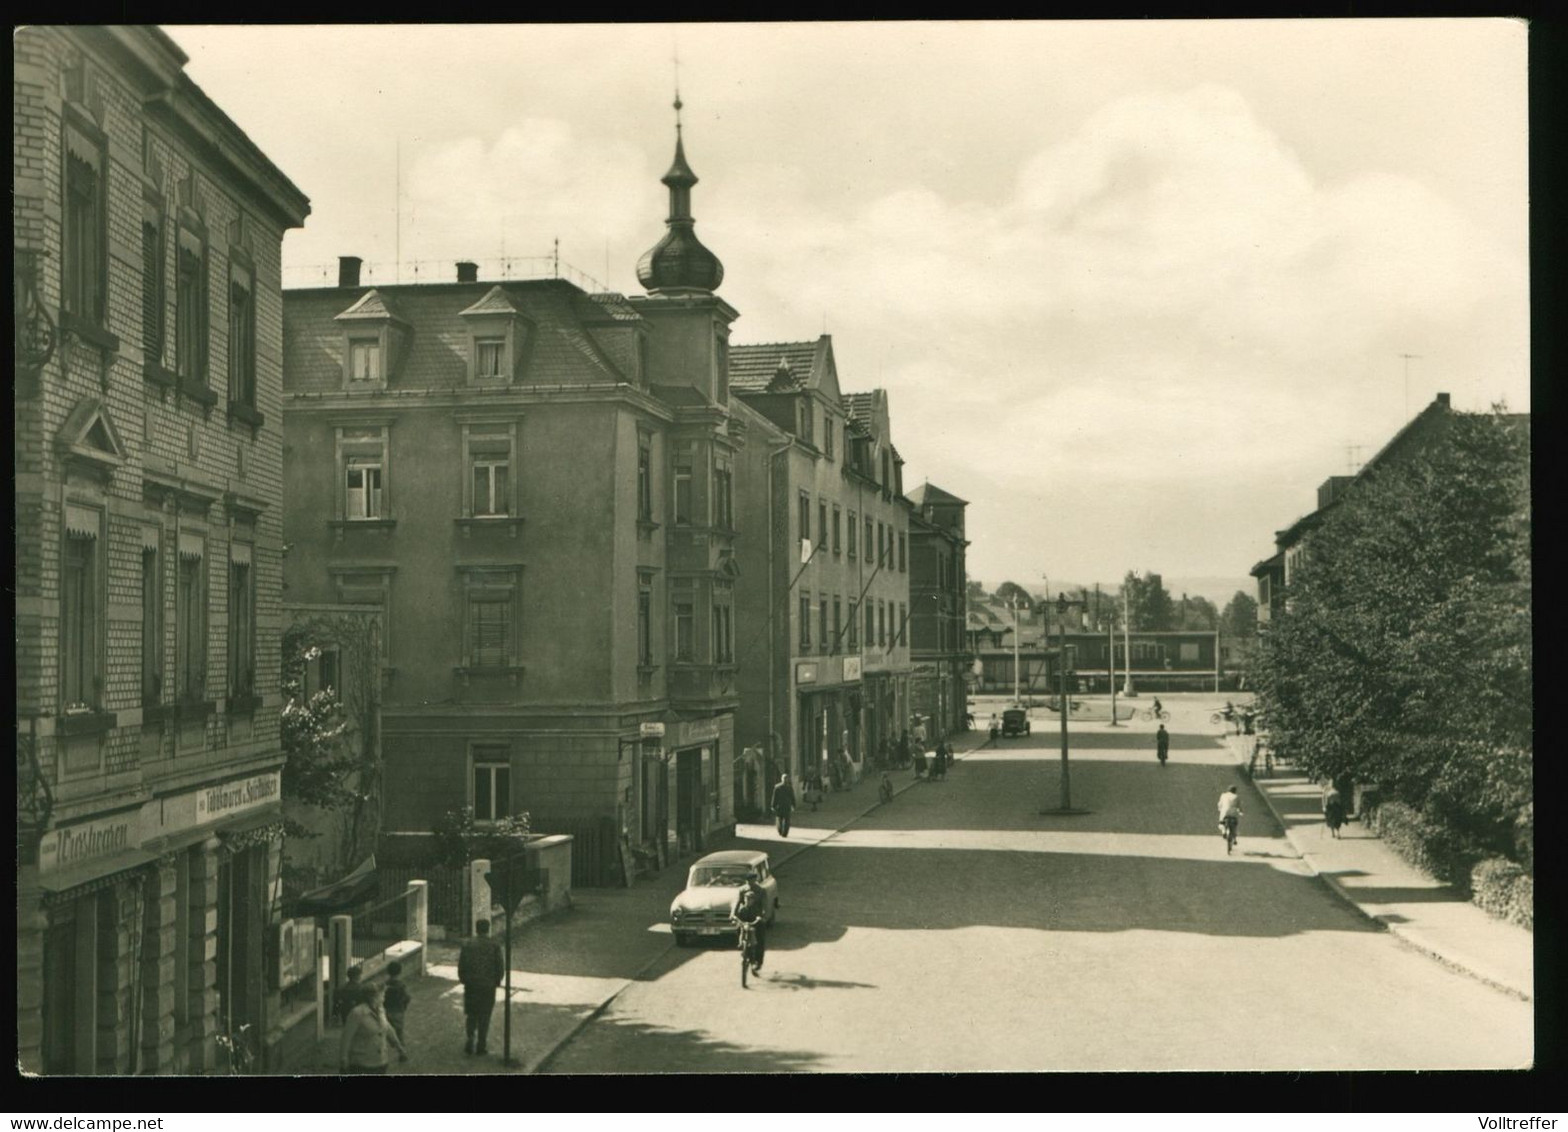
(805, 673)
(651, 730)
(851, 668)
(296, 951)
(697, 731)
(229, 798)
(89, 841)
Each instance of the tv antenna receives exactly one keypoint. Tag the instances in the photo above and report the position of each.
(1352, 457)
(1408, 359)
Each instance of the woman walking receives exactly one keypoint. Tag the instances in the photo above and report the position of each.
(366, 1034)
(1333, 810)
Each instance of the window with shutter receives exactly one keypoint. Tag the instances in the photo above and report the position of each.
(491, 627)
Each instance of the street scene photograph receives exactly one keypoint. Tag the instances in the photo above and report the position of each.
(914, 547)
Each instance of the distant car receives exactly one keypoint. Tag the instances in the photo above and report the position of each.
(713, 886)
(1015, 721)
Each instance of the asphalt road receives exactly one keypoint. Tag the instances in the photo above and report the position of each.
(959, 929)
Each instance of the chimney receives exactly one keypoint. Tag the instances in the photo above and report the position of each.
(348, 270)
(467, 272)
(1442, 399)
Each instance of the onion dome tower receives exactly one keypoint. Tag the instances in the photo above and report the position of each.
(679, 263)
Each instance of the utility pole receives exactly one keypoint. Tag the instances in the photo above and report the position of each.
(1127, 688)
(1014, 603)
(1408, 359)
(1110, 655)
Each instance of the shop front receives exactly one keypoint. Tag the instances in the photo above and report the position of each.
(831, 737)
(684, 794)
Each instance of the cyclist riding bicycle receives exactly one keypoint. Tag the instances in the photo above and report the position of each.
(751, 907)
(1230, 813)
(1159, 709)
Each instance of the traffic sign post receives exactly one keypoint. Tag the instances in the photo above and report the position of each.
(509, 879)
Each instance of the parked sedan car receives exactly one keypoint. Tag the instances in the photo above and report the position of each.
(712, 887)
(1015, 721)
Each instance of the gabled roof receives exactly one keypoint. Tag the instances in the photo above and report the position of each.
(753, 367)
(859, 408)
(495, 301)
(371, 305)
(930, 493)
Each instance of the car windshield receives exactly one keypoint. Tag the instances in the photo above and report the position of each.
(719, 876)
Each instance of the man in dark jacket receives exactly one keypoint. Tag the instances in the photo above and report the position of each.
(1162, 743)
(480, 968)
(783, 804)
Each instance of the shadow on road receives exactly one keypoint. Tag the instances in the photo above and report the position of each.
(644, 1048)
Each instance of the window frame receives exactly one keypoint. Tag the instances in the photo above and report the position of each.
(192, 305)
(491, 758)
(241, 644)
(854, 533)
(683, 618)
(491, 586)
(803, 637)
(242, 333)
(84, 286)
(155, 282)
(152, 598)
(82, 622)
(644, 476)
(191, 618)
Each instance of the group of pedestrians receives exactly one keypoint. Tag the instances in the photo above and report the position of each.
(374, 1017)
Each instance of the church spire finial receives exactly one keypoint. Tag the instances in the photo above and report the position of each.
(679, 262)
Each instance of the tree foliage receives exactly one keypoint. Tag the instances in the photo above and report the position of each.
(459, 838)
(1012, 591)
(1148, 603)
(1198, 613)
(1240, 618)
(1403, 656)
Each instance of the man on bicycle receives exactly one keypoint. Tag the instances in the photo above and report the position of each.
(1159, 710)
(1230, 813)
(751, 907)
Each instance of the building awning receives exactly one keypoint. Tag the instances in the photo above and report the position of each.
(93, 875)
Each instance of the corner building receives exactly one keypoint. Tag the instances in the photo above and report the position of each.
(939, 595)
(148, 457)
(825, 663)
(535, 485)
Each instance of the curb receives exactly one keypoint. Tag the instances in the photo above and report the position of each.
(544, 1059)
(1405, 936)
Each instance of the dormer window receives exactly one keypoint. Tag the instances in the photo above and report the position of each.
(497, 335)
(364, 360)
(804, 424)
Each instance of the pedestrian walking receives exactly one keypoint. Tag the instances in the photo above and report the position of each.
(783, 804)
(1162, 744)
(352, 992)
(920, 763)
(995, 727)
(366, 1035)
(395, 1000)
(480, 968)
(1333, 810)
(944, 759)
(903, 748)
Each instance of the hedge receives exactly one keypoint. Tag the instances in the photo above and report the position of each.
(1504, 890)
(1432, 848)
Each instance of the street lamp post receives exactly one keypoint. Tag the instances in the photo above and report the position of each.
(1066, 804)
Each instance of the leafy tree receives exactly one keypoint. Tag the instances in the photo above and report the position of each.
(974, 588)
(1198, 612)
(1012, 591)
(1148, 603)
(1240, 618)
(1403, 656)
(460, 838)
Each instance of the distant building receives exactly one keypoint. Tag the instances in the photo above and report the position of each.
(938, 591)
(1161, 662)
(148, 455)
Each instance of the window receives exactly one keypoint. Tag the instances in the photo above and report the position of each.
(79, 619)
(882, 623)
(242, 337)
(827, 436)
(321, 673)
(723, 634)
(838, 526)
(903, 624)
(685, 623)
(190, 308)
(805, 517)
(644, 625)
(822, 625)
(805, 624)
(903, 553)
(871, 623)
(1189, 651)
(152, 284)
(868, 538)
(887, 474)
(242, 622)
(83, 259)
(803, 419)
(854, 528)
(683, 500)
(489, 354)
(822, 524)
(362, 492)
(838, 620)
(882, 544)
(723, 498)
(854, 628)
(152, 620)
(364, 359)
(492, 783)
(491, 479)
(722, 361)
(644, 476)
(490, 631)
(190, 615)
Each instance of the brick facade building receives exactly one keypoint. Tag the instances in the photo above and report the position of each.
(938, 593)
(148, 460)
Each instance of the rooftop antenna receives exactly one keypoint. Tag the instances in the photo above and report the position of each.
(1408, 358)
(1352, 457)
(397, 227)
(555, 267)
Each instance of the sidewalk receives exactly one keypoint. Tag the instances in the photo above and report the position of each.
(568, 967)
(1362, 870)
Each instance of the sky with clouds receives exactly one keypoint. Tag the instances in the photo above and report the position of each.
(1134, 288)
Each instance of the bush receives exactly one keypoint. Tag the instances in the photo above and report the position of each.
(1433, 848)
(1504, 890)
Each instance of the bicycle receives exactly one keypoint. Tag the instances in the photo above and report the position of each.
(746, 942)
(1230, 824)
(1148, 715)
